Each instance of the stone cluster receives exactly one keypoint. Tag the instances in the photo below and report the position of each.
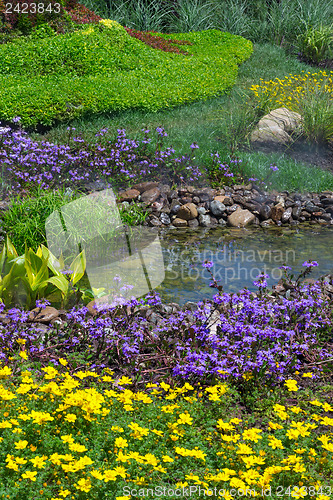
(236, 206)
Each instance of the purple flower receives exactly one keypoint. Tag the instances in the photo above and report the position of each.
(208, 264)
(42, 303)
(274, 168)
(194, 145)
(312, 263)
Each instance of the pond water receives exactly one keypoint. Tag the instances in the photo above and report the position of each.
(239, 255)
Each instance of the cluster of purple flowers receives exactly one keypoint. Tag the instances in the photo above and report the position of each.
(268, 339)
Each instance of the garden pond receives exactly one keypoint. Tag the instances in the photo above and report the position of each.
(239, 256)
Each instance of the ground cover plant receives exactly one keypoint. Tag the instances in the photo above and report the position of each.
(70, 75)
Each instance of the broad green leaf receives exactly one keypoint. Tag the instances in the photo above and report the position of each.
(11, 250)
(78, 267)
(53, 263)
(2, 258)
(60, 282)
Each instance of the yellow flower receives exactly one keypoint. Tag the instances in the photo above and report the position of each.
(316, 402)
(115, 428)
(298, 492)
(125, 381)
(252, 434)
(244, 449)
(23, 354)
(64, 493)
(38, 462)
(328, 446)
(291, 385)
(275, 443)
(29, 475)
(67, 438)
(5, 372)
(159, 433)
(83, 485)
(327, 407)
(169, 408)
(274, 426)
(225, 426)
(166, 458)
(50, 372)
(185, 418)
(20, 445)
(70, 417)
(96, 474)
(63, 362)
(121, 443)
(110, 475)
(80, 448)
(327, 421)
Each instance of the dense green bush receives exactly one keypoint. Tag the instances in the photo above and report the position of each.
(100, 70)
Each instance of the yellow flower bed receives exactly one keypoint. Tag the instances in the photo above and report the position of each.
(89, 436)
(288, 91)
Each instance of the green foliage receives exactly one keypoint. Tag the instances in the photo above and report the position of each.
(26, 278)
(24, 222)
(316, 44)
(67, 76)
(316, 108)
(41, 31)
(193, 16)
(132, 214)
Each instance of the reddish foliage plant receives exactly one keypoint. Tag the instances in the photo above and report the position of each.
(157, 42)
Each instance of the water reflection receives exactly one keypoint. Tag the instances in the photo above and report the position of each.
(239, 255)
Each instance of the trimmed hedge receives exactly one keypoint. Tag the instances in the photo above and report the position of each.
(103, 69)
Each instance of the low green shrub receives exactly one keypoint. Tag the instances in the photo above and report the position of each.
(101, 70)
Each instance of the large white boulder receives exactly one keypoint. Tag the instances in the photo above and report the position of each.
(277, 126)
